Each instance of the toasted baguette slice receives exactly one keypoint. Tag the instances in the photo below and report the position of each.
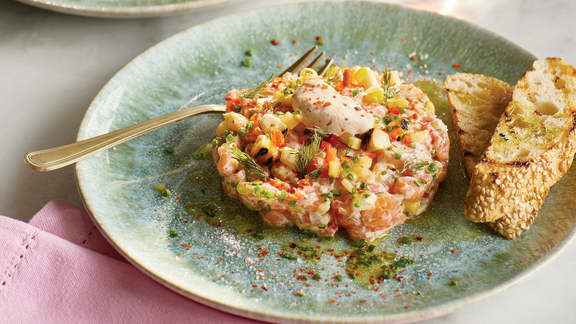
(477, 102)
(532, 148)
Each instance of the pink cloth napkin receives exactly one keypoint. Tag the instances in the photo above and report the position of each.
(59, 269)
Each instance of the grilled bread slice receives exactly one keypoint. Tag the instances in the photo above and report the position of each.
(532, 148)
(477, 102)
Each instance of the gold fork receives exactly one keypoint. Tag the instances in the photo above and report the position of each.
(61, 156)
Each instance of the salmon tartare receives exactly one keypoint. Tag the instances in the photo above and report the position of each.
(353, 149)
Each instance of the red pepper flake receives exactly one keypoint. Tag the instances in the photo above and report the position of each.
(395, 111)
(440, 73)
(362, 301)
(456, 65)
(275, 42)
(263, 253)
(403, 38)
(318, 38)
(307, 285)
(409, 71)
(453, 250)
(265, 288)
(254, 286)
(372, 53)
(294, 41)
(406, 307)
(414, 57)
(331, 301)
(186, 246)
(429, 274)
(177, 197)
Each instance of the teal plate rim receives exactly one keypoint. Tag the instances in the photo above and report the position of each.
(123, 11)
(426, 313)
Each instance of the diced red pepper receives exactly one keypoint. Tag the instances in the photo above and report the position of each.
(395, 111)
(277, 138)
(333, 139)
(395, 133)
(347, 78)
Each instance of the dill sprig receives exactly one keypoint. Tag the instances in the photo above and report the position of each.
(308, 152)
(251, 94)
(250, 165)
(389, 90)
(318, 130)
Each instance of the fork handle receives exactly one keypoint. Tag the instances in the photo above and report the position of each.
(61, 156)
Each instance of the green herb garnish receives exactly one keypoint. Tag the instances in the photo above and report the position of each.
(289, 256)
(308, 152)
(282, 196)
(250, 165)
(389, 91)
(251, 94)
(247, 62)
(203, 152)
(315, 174)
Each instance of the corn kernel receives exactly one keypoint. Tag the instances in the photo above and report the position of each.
(398, 102)
(412, 207)
(379, 140)
(290, 120)
(366, 77)
(352, 141)
(263, 149)
(374, 95)
(270, 122)
(235, 121)
(334, 168)
(347, 185)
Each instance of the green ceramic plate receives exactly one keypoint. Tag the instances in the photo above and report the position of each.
(223, 266)
(123, 8)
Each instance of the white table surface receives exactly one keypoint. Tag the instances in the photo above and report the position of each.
(52, 65)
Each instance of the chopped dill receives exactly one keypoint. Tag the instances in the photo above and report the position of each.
(249, 164)
(308, 152)
(251, 94)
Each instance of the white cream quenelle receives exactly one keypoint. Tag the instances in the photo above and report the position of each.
(323, 107)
